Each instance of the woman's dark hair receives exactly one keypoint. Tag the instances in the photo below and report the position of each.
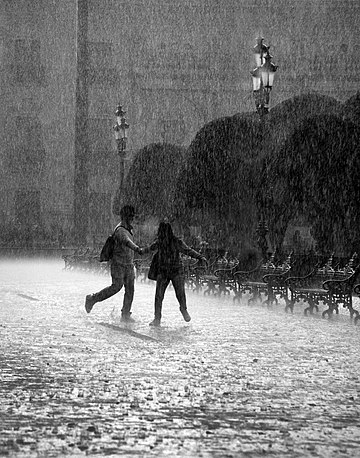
(167, 242)
(165, 232)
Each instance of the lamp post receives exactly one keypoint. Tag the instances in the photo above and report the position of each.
(120, 129)
(263, 77)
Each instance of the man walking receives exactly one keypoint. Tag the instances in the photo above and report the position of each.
(122, 266)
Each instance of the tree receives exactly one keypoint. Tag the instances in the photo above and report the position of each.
(239, 167)
(352, 108)
(315, 173)
(292, 162)
(281, 123)
(219, 180)
(150, 182)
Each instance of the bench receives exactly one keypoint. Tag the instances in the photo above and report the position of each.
(222, 280)
(69, 258)
(327, 285)
(203, 275)
(78, 259)
(356, 312)
(278, 287)
(190, 265)
(341, 293)
(253, 282)
(192, 268)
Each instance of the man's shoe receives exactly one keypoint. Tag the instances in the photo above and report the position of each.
(89, 303)
(185, 315)
(127, 318)
(155, 322)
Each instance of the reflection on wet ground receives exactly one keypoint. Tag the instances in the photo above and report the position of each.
(235, 381)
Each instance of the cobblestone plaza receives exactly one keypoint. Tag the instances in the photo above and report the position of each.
(235, 381)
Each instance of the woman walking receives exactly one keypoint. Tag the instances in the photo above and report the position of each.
(170, 268)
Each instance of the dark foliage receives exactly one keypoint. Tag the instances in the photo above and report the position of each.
(221, 174)
(286, 117)
(302, 159)
(315, 173)
(150, 182)
(304, 106)
(352, 108)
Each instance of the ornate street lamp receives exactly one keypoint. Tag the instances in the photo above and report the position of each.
(263, 77)
(120, 129)
(260, 50)
(268, 70)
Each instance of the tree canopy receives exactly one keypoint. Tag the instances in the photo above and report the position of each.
(220, 175)
(151, 179)
(302, 159)
(226, 172)
(315, 173)
(352, 108)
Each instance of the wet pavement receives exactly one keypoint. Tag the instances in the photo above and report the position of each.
(236, 381)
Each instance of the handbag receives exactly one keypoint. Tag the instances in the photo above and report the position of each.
(154, 267)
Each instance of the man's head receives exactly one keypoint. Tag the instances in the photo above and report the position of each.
(127, 212)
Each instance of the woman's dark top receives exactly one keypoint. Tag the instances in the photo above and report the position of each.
(169, 257)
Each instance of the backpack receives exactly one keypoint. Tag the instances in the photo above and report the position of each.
(107, 250)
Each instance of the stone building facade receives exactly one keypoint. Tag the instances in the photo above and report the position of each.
(174, 65)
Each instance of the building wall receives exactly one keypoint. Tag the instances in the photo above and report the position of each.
(174, 65)
(37, 111)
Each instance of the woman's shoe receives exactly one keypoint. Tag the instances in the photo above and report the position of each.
(185, 315)
(126, 318)
(155, 322)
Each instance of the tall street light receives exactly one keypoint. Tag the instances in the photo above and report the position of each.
(120, 129)
(263, 79)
